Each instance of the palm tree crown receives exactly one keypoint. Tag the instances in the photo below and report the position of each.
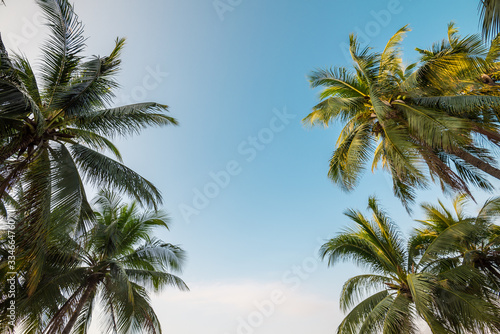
(419, 122)
(457, 238)
(65, 121)
(114, 265)
(403, 288)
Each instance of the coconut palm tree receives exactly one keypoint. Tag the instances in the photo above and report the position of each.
(454, 238)
(114, 266)
(400, 289)
(56, 128)
(66, 117)
(420, 122)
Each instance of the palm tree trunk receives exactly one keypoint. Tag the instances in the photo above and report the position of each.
(478, 163)
(85, 297)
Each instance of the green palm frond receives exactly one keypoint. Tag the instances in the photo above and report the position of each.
(347, 161)
(470, 174)
(356, 287)
(27, 77)
(400, 318)
(360, 315)
(490, 210)
(374, 320)
(473, 304)
(92, 140)
(458, 105)
(124, 121)
(404, 190)
(442, 130)
(166, 256)
(447, 240)
(494, 51)
(61, 52)
(338, 80)
(402, 154)
(139, 316)
(100, 170)
(92, 86)
(422, 288)
(331, 109)
(367, 64)
(490, 16)
(155, 280)
(390, 59)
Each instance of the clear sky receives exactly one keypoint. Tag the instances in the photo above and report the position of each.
(243, 180)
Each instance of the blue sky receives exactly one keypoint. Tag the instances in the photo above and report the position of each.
(234, 73)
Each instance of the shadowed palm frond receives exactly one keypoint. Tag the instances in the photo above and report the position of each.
(490, 17)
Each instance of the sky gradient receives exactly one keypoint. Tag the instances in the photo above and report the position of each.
(243, 180)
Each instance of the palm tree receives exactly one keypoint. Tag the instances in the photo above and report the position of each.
(56, 128)
(67, 116)
(401, 289)
(420, 122)
(114, 265)
(454, 238)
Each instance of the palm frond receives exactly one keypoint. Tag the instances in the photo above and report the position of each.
(61, 52)
(490, 16)
(349, 159)
(91, 87)
(362, 313)
(124, 121)
(100, 170)
(355, 287)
